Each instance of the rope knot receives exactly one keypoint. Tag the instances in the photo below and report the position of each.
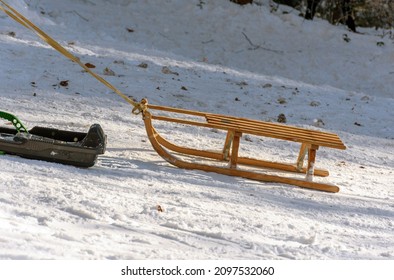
(140, 107)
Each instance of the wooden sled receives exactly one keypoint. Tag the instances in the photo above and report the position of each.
(310, 141)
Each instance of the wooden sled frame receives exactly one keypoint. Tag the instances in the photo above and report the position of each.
(310, 141)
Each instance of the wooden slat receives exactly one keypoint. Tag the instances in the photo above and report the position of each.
(255, 123)
(176, 110)
(258, 131)
(302, 138)
(267, 125)
(182, 121)
(279, 132)
(261, 128)
(243, 120)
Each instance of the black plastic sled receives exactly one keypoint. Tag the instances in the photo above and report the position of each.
(54, 145)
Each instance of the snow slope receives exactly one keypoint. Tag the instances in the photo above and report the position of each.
(254, 61)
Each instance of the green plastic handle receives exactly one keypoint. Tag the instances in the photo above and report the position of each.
(15, 121)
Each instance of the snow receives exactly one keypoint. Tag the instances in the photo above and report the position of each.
(252, 61)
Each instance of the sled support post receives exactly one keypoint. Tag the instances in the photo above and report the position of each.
(227, 144)
(238, 165)
(235, 149)
(301, 156)
(311, 162)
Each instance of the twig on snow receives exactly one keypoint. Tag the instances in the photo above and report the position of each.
(255, 47)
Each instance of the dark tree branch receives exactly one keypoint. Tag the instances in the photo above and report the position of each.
(255, 47)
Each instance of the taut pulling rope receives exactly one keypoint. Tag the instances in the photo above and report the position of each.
(138, 107)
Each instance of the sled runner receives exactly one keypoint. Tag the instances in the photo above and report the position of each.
(49, 144)
(310, 141)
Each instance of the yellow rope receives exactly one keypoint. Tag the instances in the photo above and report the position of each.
(14, 14)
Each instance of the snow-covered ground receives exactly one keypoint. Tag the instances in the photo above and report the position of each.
(254, 61)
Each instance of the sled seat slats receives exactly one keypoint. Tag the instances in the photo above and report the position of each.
(260, 128)
(279, 131)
